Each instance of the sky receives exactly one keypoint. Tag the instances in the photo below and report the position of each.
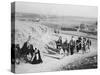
(57, 9)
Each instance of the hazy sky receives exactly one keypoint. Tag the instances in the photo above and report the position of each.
(57, 9)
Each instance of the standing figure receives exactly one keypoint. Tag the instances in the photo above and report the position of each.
(88, 43)
(78, 44)
(65, 47)
(59, 42)
(72, 45)
(83, 45)
(36, 57)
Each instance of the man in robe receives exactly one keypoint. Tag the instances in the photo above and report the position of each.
(36, 57)
(59, 42)
(72, 45)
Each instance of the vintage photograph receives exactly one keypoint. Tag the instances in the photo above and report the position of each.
(53, 37)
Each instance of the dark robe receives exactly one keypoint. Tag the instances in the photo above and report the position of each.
(24, 49)
(35, 60)
(59, 43)
(72, 46)
(30, 50)
(78, 45)
(65, 46)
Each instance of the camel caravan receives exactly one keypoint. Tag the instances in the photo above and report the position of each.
(32, 55)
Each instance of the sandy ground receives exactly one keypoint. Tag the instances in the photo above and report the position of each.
(40, 33)
(52, 64)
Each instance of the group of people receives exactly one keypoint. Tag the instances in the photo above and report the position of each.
(32, 55)
(28, 53)
(73, 46)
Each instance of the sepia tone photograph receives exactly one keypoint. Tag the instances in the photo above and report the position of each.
(53, 37)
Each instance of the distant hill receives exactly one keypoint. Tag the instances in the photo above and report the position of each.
(43, 16)
(29, 15)
(55, 21)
